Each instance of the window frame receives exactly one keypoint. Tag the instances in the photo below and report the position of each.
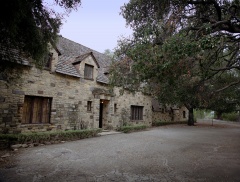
(87, 69)
(36, 110)
(136, 113)
(115, 108)
(89, 106)
(184, 114)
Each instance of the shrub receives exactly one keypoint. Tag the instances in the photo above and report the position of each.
(48, 136)
(127, 129)
(163, 123)
(233, 116)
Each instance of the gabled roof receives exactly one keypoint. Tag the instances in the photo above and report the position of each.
(72, 49)
(84, 56)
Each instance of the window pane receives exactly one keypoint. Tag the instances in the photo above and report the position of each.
(88, 71)
(48, 60)
(89, 105)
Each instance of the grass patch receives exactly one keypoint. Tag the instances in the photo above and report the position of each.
(48, 136)
(127, 129)
(163, 123)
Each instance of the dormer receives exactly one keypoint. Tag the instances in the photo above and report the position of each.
(87, 65)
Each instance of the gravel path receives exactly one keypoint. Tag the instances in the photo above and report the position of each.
(169, 153)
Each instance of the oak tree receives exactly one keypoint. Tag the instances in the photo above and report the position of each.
(181, 51)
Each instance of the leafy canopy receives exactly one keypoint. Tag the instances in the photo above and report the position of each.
(182, 52)
(28, 26)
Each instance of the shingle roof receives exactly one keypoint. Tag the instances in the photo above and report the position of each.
(69, 48)
(66, 67)
(13, 55)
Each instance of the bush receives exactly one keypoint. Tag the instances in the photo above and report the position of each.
(233, 116)
(163, 123)
(48, 136)
(127, 129)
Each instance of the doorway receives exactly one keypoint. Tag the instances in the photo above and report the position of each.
(101, 114)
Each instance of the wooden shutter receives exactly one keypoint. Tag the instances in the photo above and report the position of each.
(136, 112)
(36, 109)
(27, 110)
(46, 107)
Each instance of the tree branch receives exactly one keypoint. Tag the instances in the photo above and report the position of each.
(226, 87)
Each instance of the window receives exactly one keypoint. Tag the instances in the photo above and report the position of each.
(88, 71)
(48, 60)
(184, 114)
(89, 105)
(36, 109)
(136, 112)
(115, 108)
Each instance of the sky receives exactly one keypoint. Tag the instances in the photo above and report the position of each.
(96, 24)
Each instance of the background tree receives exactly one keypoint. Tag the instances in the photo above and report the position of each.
(27, 26)
(108, 53)
(180, 50)
(228, 100)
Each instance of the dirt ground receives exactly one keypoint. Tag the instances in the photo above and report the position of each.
(169, 153)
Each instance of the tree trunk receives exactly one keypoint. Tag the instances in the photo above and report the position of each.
(238, 116)
(219, 115)
(190, 117)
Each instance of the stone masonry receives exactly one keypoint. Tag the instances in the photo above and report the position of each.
(70, 95)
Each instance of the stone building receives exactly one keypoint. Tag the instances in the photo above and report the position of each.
(71, 92)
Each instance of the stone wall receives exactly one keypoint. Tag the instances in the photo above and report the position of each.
(124, 101)
(169, 116)
(69, 100)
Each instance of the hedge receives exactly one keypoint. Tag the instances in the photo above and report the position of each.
(48, 136)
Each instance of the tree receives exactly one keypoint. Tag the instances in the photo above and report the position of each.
(180, 50)
(27, 26)
(226, 101)
(108, 53)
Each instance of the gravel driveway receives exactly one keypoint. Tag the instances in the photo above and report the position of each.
(169, 153)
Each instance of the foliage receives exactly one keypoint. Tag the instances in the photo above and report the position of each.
(163, 123)
(108, 53)
(127, 129)
(227, 100)
(233, 116)
(203, 114)
(41, 137)
(181, 52)
(28, 26)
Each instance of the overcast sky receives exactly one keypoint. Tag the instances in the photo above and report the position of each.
(96, 24)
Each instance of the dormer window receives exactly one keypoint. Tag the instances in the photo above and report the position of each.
(48, 61)
(88, 72)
